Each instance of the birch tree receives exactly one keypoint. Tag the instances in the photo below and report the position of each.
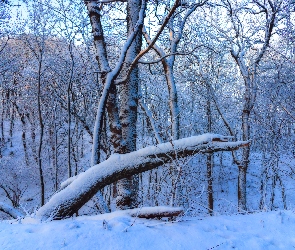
(109, 100)
(122, 126)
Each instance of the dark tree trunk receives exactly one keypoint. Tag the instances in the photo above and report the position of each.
(39, 152)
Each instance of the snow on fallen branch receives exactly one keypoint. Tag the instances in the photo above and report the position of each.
(69, 200)
(155, 212)
(67, 182)
(13, 212)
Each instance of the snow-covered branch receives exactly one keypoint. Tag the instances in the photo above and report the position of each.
(13, 212)
(69, 200)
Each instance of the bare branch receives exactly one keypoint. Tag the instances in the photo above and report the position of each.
(150, 116)
(150, 46)
(176, 53)
(287, 111)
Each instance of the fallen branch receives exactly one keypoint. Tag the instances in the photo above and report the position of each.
(11, 211)
(155, 212)
(69, 200)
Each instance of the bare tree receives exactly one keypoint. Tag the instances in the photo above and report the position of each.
(242, 45)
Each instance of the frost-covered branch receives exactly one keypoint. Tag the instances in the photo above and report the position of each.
(151, 119)
(69, 200)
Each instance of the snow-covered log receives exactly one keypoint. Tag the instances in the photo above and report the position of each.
(13, 212)
(155, 212)
(69, 200)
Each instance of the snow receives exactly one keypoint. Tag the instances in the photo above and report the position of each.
(118, 230)
(68, 181)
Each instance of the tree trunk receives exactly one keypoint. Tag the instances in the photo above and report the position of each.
(69, 200)
(2, 142)
(69, 90)
(242, 178)
(24, 138)
(128, 188)
(173, 100)
(39, 156)
(209, 159)
(108, 76)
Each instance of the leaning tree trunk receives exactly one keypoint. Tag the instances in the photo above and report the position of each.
(69, 200)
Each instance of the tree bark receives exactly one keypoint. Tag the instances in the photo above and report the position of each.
(128, 188)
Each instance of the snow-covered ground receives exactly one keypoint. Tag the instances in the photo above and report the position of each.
(118, 230)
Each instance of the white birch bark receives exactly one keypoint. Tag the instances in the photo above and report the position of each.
(128, 188)
(108, 75)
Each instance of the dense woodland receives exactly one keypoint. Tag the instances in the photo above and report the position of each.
(89, 83)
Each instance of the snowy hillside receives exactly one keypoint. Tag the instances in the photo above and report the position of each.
(117, 230)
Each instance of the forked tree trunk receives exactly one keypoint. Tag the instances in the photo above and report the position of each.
(108, 76)
(69, 200)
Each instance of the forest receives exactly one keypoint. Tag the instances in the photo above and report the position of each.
(113, 105)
